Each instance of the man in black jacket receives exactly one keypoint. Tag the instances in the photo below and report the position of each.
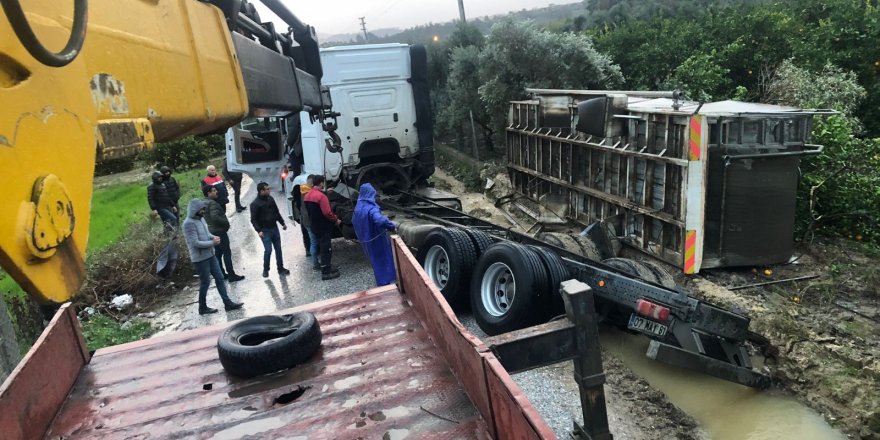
(171, 186)
(264, 216)
(218, 225)
(234, 180)
(160, 201)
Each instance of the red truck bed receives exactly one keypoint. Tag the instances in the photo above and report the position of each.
(394, 363)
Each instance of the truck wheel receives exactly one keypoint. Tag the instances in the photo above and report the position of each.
(591, 251)
(504, 291)
(633, 268)
(448, 258)
(663, 277)
(266, 344)
(480, 239)
(552, 239)
(557, 273)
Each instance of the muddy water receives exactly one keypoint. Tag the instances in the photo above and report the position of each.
(725, 410)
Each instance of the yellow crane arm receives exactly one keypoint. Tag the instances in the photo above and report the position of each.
(148, 70)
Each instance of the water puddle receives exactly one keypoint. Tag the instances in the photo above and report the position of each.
(726, 411)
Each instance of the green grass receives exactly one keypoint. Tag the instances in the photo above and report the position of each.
(116, 208)
(101, 331)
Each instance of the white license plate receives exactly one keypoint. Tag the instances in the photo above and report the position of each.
(646, 325)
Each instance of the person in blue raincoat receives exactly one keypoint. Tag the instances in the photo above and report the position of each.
(370, 226)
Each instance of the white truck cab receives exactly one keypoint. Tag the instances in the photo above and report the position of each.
(381, 94)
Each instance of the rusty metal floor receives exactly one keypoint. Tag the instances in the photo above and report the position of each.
(377, 375)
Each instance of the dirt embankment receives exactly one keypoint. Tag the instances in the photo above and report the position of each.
(824, 333)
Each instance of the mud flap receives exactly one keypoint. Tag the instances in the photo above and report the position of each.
(685, 359)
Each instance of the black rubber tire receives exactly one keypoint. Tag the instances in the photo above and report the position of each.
(530, 278)
(663, 277)
(266, 344)
(480, 239)
(556, 274)
(462, 256)
(590, 250)
(552, 239)
(633, 268)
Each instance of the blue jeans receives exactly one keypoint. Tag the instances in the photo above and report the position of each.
(210, 268)
(272, 238)
(313, 246)
(167, 215)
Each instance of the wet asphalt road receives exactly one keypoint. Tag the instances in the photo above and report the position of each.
(266, 295)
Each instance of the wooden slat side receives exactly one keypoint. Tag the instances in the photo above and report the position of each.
(514, 416)
(32, 395)
(460, 348)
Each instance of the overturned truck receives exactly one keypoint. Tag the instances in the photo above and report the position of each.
(698, 185)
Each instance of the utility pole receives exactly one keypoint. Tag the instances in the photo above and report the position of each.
(364, 28)
(461, 11)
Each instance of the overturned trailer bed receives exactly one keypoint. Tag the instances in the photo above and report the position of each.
(698, 185)
(394, 362)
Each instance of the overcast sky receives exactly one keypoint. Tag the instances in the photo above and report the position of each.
(341, 16)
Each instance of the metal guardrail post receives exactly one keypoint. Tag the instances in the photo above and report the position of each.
(588, 372)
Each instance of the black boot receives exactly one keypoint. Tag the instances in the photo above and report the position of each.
(206, 310)
(232, 305)
(329, 272)
(233, 277)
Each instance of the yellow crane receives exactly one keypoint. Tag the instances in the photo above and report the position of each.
(128, 73)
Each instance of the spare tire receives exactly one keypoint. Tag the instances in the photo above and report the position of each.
(557, 273)
(448, 257)
(266, 344)
(505, 288)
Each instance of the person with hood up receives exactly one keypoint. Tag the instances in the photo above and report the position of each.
(200, 244)
(322, 219)
(370, 226)
(160, 201)
(171, 186)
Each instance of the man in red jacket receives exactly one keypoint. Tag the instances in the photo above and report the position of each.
(323, 220)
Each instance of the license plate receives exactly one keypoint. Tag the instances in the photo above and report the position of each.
(646, 325)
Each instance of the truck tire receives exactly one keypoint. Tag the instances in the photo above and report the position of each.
(448, 257)
(552, 239)
(590, 250)
(414, 235)
(633, 268)
(557, 273)
(663, 277)
(504, 290)
(266, 344)
(480, 239)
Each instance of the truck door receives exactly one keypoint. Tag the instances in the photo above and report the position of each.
(257, 147)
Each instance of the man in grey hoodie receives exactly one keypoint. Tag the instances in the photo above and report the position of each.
(200, 244)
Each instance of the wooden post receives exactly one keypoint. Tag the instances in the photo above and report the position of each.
(588, 372)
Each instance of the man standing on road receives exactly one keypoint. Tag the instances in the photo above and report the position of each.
(171, 186)
(370, 226)
(264, 216)
(160, 201)
(212, 179)
(309, 239)
(322, 221)
(218, 225)
(200, 244)
(234, 180)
